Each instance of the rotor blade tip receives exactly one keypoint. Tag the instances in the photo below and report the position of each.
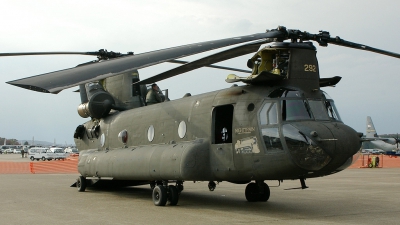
(29, 87)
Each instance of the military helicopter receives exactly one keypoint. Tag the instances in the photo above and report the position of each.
(279, 125)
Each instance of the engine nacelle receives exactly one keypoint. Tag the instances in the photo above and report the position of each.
(100, 102)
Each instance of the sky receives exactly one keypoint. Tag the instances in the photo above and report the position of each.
(369, 85)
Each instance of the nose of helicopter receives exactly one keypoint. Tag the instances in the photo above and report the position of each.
(316, 146)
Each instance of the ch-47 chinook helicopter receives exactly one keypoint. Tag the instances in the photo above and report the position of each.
(279, 125)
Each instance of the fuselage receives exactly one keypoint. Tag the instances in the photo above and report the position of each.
(237, 134)
(379, 144)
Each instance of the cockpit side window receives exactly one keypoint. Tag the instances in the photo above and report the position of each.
(268, 114)
(332, 111)
(331, 108)
(269, 126)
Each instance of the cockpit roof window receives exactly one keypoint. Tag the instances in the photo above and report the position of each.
(327, 96)
(285, 93)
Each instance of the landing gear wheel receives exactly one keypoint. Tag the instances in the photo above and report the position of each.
(264, 195)
(32, 158)
(159, 195)
(173, 196)
(251, 192)
(81, 183)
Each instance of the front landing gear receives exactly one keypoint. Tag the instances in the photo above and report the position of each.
(257, 192)
(163, 193)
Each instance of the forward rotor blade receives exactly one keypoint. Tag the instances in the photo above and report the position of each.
(213, 66)
(54, 82)
(206, 61)
(323, 38)
(47, 53)
(341, 42)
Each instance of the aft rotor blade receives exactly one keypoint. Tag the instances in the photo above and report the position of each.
(54, 82)
(218, 57)
(213, 66)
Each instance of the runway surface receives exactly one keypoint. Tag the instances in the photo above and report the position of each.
(354, 196)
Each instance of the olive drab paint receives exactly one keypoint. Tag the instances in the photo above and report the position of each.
(216, 148)
(279, 125)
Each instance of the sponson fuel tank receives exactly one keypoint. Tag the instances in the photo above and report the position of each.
(181, 161)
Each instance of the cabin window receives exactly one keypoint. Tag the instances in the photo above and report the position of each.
(150, 133)
(182, 129)
(123, 136)
(102, 140)
(222, 120)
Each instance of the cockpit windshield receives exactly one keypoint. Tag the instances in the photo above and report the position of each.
(318, 109)
(295, 110)
(291, 105)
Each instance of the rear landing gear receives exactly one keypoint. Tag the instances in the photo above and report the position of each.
(173, 195)
(81, 183)
(257, 192)
(159, 195)
(163, 193)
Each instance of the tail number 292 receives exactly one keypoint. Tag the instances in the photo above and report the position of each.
(310, 68)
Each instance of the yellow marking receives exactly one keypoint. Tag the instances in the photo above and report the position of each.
(310, 68)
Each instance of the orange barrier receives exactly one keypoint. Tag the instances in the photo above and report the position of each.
(385, 162)
(14, 167)
(40, 167)
(70, 165)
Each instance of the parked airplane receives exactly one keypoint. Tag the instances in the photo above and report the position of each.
(376, 142)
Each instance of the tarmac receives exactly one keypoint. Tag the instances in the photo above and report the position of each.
(353, 196)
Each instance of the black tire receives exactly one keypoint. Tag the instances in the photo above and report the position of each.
(266, 193)
(81, 183)
(32, 158)
(251, 192)
(173, 196)
(43, 158)
(159, 195)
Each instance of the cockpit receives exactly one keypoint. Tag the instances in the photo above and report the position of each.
(287, 119)
(294, 106)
